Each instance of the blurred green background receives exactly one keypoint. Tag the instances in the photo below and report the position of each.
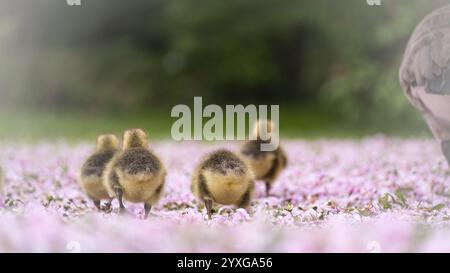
(332, 66)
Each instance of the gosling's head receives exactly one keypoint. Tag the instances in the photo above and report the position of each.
(135, 138)
(106, 142)
(263, 129)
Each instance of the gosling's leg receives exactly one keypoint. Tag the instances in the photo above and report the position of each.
(147, 209)
(268, 187)
(208, 205)
(119, 195)
(118, 190)
(97, 204)
(245, 200)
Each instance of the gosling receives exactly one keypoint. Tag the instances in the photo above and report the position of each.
(266, 165)
(224, 178)
(92, 170)
(135, 174)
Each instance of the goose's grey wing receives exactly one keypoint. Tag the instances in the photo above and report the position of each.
(426, 63)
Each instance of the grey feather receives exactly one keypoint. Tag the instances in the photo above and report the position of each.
(439, 84)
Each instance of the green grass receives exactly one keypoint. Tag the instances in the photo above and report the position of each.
(295, 122)
(34, 126)
(309, 123)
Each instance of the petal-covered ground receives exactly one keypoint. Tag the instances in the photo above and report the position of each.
(370, 195)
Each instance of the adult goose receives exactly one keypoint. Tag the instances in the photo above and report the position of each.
(425, 73)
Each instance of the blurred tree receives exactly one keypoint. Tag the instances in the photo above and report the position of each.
(342, 56)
